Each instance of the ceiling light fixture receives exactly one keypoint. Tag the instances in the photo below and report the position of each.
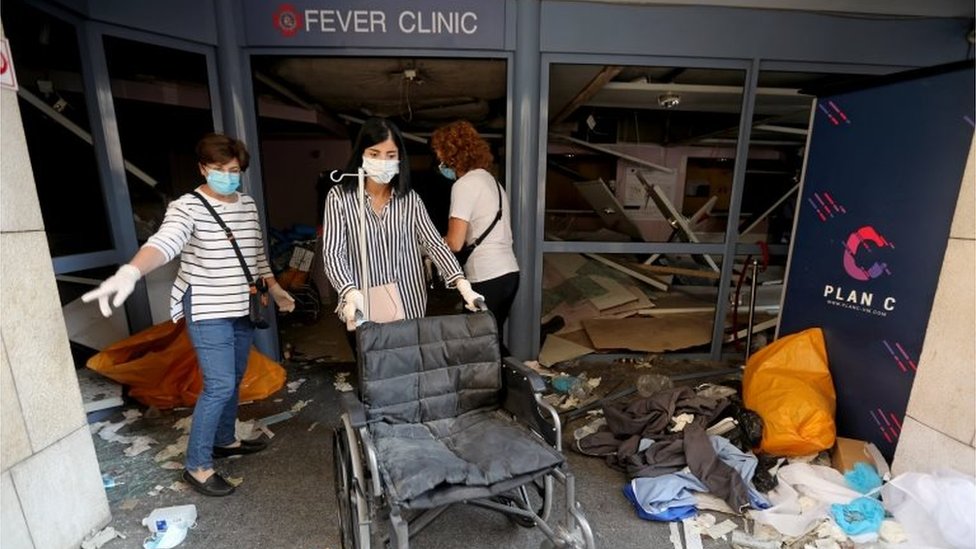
(669, 100)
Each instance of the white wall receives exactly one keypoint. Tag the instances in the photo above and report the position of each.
(51, 493)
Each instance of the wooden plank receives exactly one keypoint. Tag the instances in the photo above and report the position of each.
(556, 349)
(564, 264)
(593, 87)
(661, 269)
(616, 295)
(653, 281)
(652, 335)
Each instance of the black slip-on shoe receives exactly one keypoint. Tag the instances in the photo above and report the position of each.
(214, 486)
(246, 447)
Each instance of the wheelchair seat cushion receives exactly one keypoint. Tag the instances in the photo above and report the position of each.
(479, 454)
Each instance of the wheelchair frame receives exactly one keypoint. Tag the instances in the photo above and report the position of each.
(362, 502)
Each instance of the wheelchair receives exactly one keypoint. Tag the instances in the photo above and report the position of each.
(441, 419)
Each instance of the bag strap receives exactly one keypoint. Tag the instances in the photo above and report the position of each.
(498, 216)
(230, 236)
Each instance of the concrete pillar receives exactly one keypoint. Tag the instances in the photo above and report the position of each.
(51, 493)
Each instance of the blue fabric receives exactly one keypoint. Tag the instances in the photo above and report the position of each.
(665, 495)
(861, 516)
(744, 463)
(222, 346)
(863, 478)
(672, 513)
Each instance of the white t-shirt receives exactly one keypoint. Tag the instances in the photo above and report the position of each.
(474, 198)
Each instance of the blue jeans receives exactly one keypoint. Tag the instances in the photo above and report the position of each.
(222, 346)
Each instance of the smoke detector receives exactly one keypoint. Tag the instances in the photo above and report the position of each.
(669, 100)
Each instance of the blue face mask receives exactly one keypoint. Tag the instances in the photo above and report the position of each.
(223, 183)
(447, 172)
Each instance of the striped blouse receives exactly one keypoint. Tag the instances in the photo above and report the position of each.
(395, 240)
(207, 259)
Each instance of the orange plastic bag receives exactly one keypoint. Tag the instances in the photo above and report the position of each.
(160, 367)
(788, 384)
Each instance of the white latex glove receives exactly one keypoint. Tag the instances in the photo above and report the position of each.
(473, 301)
(120, 284)
(283, 299)
(353, 302)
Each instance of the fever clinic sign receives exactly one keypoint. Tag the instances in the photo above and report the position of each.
(377, 23)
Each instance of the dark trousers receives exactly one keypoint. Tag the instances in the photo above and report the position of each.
(499, 294)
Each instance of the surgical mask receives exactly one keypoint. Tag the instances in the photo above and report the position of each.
(380, 170)
(447, 172)
(223, 183)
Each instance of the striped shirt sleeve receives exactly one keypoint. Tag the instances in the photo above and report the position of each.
(263, 268)
(433, 243)
(174, 232)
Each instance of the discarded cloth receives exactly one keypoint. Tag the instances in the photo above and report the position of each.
(861, 516)
(864, 478)
(935, 509)
(801, 498)
(655, 496)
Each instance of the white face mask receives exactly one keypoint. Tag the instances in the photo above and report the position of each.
(381, 171)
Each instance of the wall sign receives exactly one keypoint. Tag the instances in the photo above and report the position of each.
(470, 24)
(7, 77)
(879, 193)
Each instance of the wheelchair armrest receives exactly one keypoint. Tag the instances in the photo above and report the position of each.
(522, 385)
(351, 405)
(532, 377)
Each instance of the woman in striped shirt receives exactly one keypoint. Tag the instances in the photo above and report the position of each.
(398, 229)
(212, 293)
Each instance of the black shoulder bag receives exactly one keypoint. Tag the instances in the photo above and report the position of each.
(257, 288)
(464, 253)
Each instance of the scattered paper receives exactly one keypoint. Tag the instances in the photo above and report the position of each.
(139, 445)
(297, 407)
(341, 384)
(680, 422)
(294, 385)
(171, 465)
(312, 426)
(156, 490)
(892, 532)
(692, 534)
(235, 481)
(675, 536)
(184, 424)
(721, 529)
(173, 450)
(97, 539)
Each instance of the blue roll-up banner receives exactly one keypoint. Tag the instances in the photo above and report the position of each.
(879, 191)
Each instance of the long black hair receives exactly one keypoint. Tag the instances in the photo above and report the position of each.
(376, 130)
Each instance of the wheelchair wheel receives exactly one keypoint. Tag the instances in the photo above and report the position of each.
(344, 491)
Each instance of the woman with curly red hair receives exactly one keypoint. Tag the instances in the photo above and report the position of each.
(479, 222)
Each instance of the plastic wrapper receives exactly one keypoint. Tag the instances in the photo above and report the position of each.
(160, 367)
(788, 384)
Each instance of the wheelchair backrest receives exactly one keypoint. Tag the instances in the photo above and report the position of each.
(425, 369)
